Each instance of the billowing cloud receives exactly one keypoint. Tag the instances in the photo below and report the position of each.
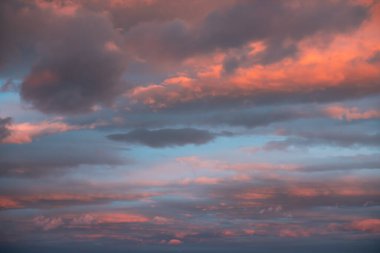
(350, 75)
(79, 63)
(80, 71)
(242, 22)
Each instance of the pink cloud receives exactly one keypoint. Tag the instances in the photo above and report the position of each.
(162, 220)
(331, 189)
(252, 195)
(6, 203)
(349, 114)
(25, 132)
(294, 232)
(367, 225)
(47, 223)
(228, 233)
(202, 181)
(249, 231)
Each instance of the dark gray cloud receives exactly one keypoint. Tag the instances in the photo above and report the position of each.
(126, 15)
(375, 58)
(52, 155)
(4, 131)
(76, 61)
(239, 116)
(346, 163)
(235, 25)
(165, 137)
(82, 68)
(257, 118)
(22, 27)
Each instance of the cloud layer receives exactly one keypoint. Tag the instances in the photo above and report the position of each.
(189, 126)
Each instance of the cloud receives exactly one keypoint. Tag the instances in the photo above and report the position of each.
(259, 118)
(119, 218)
(375, 58)
(174, 242)
(47, 223)
(80, 71)
(7, 203)
(285, 81)
(73, 66)
(367, 225)
(324, 138)
(201, 181)
(25, 132)
(165, 137)
(30, 199)
(341, 112)
(4, 128)
(244, 21)
(296, 77)
(294, 233)
(44, 157)
(76, 61)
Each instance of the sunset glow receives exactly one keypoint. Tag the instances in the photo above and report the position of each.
(189, 126)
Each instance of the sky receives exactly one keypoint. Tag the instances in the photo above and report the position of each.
(189, 126)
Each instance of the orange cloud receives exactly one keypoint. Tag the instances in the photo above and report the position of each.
(174, 242)
(251, 195)
(342, 62)
(119, 218)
